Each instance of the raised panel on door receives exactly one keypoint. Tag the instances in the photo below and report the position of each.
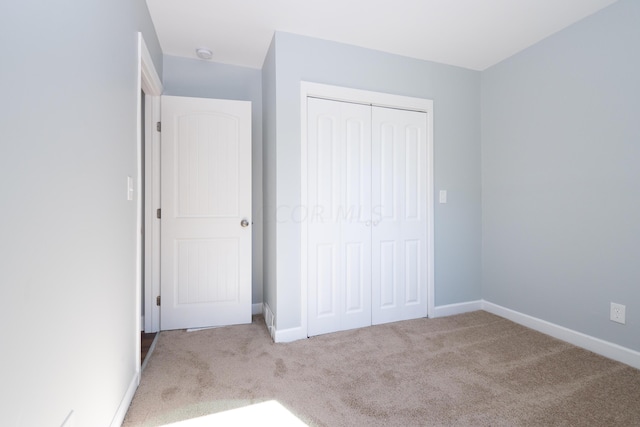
(206, 192)
(327, 278)
(356, 293)
(399, 215)
(206, 271)
(207, 164)
(338, 209)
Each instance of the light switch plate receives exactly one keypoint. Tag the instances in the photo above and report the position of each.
(129, 188)
(443, 196)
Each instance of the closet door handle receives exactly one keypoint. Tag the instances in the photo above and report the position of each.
(375, 223)
(368, 223)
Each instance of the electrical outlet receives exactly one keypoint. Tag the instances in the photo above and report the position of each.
(617, 312)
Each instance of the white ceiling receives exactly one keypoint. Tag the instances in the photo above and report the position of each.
(474, 34)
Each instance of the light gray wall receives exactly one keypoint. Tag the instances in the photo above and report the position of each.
(206, 79)
(148, 30)
(456, 95)
(269, 174)
(68, 113)
(561, 177)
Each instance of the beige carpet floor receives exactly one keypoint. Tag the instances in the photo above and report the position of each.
(474, 369)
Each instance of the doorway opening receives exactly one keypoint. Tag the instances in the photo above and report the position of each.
(147, 280)
(147, 339)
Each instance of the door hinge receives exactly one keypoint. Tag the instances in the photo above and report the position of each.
(158, 213)
(158, 300)
(159, 127)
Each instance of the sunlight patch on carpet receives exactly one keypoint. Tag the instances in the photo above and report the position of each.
(270, 413)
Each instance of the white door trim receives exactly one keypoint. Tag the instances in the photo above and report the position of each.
(337, 93)
(149, 82)
(151, 85)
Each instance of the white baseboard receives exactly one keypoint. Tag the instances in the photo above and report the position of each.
(118, 418)
(596, 345)
(459, 308)
(282, 335)
(256, 308)
(69, 421)
(289, 335)
(269, 319)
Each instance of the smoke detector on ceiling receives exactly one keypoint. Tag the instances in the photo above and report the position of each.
(204, 53)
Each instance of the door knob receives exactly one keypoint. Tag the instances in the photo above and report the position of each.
(244, 223)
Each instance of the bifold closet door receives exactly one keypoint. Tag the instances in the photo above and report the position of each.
(339, 216)
(399, 215)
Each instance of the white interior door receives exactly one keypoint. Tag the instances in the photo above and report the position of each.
(339, 216)
(206, 208)
(399, 191)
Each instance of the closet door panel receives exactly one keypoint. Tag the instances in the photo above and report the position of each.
(339, 209)
(399, 197)
(355, 217)
(324, 267)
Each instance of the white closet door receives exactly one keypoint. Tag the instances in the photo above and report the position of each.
(339, 216)
(399, 214)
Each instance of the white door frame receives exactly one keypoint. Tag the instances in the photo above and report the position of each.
(337, 93)
(150, 84)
